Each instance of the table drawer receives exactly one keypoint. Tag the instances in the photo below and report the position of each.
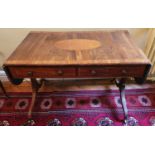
(42, 72)
(120, 71)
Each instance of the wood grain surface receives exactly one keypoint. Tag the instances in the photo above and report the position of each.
(77, 48)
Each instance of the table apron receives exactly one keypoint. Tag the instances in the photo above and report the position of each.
(77, 72)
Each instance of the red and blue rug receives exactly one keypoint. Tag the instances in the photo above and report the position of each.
(79, 108)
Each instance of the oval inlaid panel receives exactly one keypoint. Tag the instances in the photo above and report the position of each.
(77, 44)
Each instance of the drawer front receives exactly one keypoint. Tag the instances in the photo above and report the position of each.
(120, 71)
(42, 72)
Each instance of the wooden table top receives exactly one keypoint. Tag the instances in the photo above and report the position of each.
(77, 48)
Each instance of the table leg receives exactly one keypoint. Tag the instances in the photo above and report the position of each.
(35, 87)
(120, 83)
(3, 89)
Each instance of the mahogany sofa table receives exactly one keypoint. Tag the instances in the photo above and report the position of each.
(89, 54)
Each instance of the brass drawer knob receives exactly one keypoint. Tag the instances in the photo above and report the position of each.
(30, 73)
(93, 72)
(60, 72)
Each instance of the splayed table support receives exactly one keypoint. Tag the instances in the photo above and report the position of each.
(35, 87)
(120, 83)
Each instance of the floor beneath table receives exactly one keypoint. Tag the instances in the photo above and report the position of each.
(13, 111)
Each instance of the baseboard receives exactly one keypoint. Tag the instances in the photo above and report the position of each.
(3, 76)
(2, 73)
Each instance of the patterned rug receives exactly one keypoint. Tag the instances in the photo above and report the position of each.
(79, 108)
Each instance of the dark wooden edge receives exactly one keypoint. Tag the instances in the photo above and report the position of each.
(77, 65)
(141, 80)
(17, 81)
(12, 80)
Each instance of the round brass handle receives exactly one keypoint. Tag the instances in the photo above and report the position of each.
(30, 73)
(60, 72)
(93, 72)
(124, 71)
